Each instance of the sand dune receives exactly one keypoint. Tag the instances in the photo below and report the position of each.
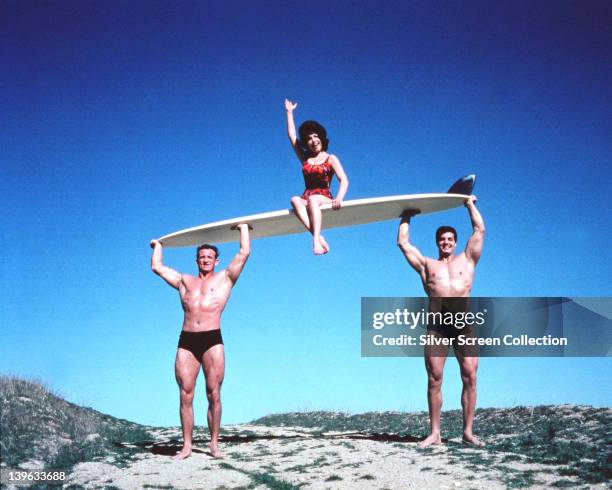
(526, 447)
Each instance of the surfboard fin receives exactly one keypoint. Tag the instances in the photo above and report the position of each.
(465, 185)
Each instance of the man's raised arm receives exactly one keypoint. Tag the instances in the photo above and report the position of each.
(237, 264)
(412, 254)
(473, 248)
(169, 275)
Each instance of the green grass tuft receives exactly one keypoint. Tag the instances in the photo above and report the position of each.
(271, 482)
(334, 478)
(39, 425)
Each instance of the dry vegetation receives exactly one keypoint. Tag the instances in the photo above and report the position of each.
(574, 440)
(39, 429)
(526, 447)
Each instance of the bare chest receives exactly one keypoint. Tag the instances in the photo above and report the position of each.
(202, 293)
(456, 269)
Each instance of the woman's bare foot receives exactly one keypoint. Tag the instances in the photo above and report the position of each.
(430, 440)
(317, 248)
(183, 454)
(214, 451)
(324, 244)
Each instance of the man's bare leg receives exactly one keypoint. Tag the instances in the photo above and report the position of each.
(186, 369)
(213, 362)
(435, 357)
(314, 211)
(468, 367)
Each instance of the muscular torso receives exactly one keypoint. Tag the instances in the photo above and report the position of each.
(449, 279)
(203, 300)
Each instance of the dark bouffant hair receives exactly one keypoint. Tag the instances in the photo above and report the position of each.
(211, 247)
(309, 127)
(445, 229)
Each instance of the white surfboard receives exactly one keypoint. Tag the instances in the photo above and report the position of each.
(284, 222)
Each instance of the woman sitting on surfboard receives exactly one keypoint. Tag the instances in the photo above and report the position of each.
(318, 168)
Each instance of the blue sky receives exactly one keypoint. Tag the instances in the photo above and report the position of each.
(124, 121)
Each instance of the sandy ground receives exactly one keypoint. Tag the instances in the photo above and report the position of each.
(282, 457)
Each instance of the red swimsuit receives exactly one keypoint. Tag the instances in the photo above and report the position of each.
(317, 178)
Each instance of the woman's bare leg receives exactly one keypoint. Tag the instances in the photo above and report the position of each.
(314, 211)
(299, 206)
(324, 243)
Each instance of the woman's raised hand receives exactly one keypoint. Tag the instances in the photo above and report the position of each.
(290, 105)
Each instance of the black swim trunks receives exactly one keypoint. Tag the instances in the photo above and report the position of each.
(199, 342)
(450, 323)
(448, 311)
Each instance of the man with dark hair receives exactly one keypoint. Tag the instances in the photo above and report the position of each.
(200, 344)
(448, 283)
(443, 229)
(207, 246)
